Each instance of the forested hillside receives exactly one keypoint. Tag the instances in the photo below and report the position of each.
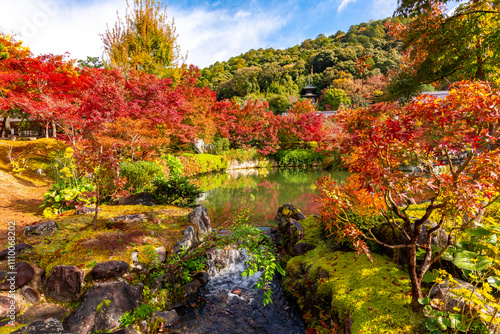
(337, 62)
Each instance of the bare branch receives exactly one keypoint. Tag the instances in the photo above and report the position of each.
(373, 238)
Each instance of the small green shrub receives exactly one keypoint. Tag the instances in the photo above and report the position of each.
(176, 191)
(219, 145)
(191, 266)
(139, 175)
(63, 197)
(287, 158)
(174, 165)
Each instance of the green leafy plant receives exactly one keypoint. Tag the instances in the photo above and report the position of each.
(142, 312)
(69, 190)
(174, 164)
(62, 198)
(476, 254)
(191, 266)
(219, 145)
(176, 191)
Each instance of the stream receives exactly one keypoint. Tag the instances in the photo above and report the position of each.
(229, 303)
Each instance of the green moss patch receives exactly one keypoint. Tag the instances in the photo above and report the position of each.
(77, 243)
(9, 329)
(314, 230)
(374, 295)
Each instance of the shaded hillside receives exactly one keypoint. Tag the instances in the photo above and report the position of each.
(277, 76)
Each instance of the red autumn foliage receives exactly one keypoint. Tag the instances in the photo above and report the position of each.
(301, 125)
(250, 126)
(459, 132)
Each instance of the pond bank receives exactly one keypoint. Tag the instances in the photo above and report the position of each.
(337, 290)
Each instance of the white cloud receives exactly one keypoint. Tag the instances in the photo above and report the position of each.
(344, 4)
(384, 8)
(212, 36)
(53, 26)
(58, 26)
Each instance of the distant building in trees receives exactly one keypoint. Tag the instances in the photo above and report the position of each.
(309, 92)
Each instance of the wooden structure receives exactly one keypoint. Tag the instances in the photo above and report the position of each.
(309, 92)
(25, 128)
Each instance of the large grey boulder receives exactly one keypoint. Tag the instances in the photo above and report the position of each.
(143, 198)
(8, 307)
(188, 240)
(449, 293)
(289, 234)
(22, 274)
(85, 210)
(41, 229)
(30, 295)
(129, 219)
(65, 283)
(191, 287)
(49, 326)
(41, 312)
(161, 256)
(386, 234)
(109, 269)
(14, 251)
(103, 306)
(198, 217)
(301, 248)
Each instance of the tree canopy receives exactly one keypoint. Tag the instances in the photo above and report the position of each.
(444, 45)
(145, 40)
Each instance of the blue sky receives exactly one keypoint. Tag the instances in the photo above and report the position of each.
(209, 31)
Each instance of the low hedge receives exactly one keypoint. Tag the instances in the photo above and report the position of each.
(202, 163)
(298, 158)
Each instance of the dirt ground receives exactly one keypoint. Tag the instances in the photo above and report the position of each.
(19, 200)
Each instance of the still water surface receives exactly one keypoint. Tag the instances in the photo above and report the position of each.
(228, 192)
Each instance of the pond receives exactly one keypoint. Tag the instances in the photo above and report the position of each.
(226, 193)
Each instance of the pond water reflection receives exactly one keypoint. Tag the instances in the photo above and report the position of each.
(224, 192)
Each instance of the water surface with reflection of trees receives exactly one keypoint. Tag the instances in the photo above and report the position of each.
(224, 192)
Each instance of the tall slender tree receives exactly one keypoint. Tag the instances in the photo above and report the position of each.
(145, 41)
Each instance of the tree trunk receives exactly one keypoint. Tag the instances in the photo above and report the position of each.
(6, 125)
(54, 130)
(94, 221)
(46, 129)
(416, 289)
(480, 75)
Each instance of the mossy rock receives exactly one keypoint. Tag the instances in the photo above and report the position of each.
(314, 232)
(374, 295)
